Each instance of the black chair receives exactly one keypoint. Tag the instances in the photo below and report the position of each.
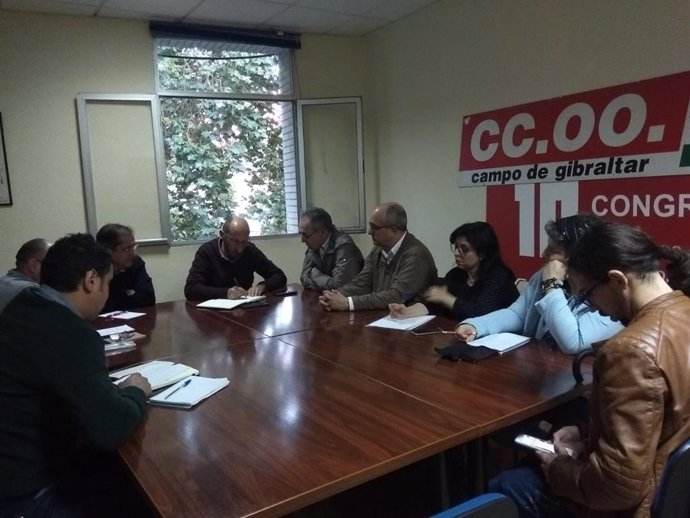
(672, 498)
(489, 505)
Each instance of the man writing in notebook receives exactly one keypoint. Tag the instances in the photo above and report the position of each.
(59, 406)
(397, 269)
(224, 267)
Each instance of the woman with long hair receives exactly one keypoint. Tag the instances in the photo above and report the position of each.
(479, 283)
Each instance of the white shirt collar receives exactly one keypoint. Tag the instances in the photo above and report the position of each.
(390, 255)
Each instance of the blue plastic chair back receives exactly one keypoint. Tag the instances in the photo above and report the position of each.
(489, 505)
(672, 498)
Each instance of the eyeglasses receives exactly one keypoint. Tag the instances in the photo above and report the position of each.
(375, 228)
(304, 235)
(584, 297)
(460, 250)
(131, 248)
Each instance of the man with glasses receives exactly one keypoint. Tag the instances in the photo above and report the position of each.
(332, 259)
(131, 286)
(397, 269)
(224, 267)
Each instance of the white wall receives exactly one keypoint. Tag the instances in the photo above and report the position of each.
(46, 60)
(456, 58)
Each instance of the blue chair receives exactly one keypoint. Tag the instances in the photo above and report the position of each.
(672, 498)
(489, 505)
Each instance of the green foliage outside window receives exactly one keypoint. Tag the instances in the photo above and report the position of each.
(222, 155)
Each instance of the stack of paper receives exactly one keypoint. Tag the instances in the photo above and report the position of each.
(159, 373)
(501, 342)
(186, 395)
(227, 303)
(401, 324)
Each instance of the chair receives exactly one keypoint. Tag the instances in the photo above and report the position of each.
(521, 285)
(489, 505)
(672, 498)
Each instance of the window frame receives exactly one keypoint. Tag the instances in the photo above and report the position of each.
(357, 101)
(224, 96)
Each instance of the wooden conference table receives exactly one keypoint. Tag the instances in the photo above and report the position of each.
(317, 404)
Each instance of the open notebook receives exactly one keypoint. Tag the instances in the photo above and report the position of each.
(189, 392)
(159, 373)
(227, 303)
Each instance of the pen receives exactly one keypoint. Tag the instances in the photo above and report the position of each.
(178, 388)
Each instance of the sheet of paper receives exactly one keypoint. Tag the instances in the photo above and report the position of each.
(159, 373)
(122, 315)
(227, 303)
(115, 330)
(401, 324)
(501, 342)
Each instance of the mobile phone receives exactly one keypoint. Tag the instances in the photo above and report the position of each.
(534, 443)
(285, 293)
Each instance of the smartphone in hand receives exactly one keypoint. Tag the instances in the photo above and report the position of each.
(535, 444)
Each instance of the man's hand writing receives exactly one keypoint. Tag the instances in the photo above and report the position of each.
(236, 292)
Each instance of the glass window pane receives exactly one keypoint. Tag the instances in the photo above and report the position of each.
(225, 156)
(224, 70)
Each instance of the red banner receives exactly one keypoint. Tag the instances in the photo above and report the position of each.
(621, 132)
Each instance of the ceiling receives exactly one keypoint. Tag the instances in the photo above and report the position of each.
(341, 17)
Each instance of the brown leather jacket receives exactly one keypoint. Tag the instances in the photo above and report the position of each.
(639, 413)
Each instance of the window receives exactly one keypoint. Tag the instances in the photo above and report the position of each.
(228, 135)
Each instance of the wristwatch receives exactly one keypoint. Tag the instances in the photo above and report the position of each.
(551, 283)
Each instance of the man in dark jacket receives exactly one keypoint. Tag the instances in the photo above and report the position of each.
(131, 286)
(332, 259)
(57, 401)
(224, 267)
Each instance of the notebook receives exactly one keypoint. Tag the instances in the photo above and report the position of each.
(228, 303)
(189, 392)
(501, 342)
(159, 373)
(401, 324)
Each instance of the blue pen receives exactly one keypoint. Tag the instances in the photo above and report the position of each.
(178, 388)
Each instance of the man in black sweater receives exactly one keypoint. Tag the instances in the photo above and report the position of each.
(224, 267)
(56, 400)
(131, 286)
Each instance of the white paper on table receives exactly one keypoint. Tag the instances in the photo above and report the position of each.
(159, 373)
(122, 315)
(501, 342)
(401, 324)
(228, 303)
(115, 330)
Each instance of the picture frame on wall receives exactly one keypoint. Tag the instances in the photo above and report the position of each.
(5, 191)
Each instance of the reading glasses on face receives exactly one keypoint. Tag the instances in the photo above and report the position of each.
(584, 296)
(460, 250)
(374, 228)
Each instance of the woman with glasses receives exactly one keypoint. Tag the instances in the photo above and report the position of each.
(639, 409)
(479, 284)
(546, 309)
